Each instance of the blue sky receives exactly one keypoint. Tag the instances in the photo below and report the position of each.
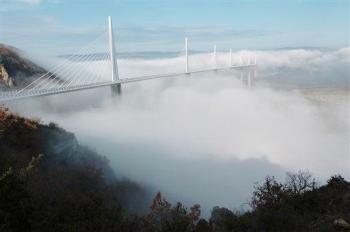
(62, 26)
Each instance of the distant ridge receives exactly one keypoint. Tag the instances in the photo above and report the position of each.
(15, 70)
(304, 48)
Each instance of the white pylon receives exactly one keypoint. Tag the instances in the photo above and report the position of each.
(186, 55)
(214, 57)
(114, 64)
(230, 57)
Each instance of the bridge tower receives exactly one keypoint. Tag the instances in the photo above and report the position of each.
(241, 70)
(116, 88)
(254, 72)
(186, 56)
(214, 57)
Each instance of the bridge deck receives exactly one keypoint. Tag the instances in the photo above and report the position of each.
(18, 94)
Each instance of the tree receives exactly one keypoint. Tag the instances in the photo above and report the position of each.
(268, 195)
(300, 182)
(165, 217)
(223, 219)
(15, 201)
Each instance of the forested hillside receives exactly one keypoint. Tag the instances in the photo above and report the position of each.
(49, 182)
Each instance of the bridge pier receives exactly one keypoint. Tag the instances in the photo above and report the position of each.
(214, 58)
(249, 80)
(246, 76)
(116, 90)
(186, 56)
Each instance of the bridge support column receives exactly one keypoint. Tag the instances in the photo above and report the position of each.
(186, 55)
(255, 60)
(253, 77)
(230, 57)
(254, 72)
(214, 57)
(116, 88)
(249, 80)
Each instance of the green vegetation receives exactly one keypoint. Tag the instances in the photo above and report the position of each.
(48, 182)
(65, 187)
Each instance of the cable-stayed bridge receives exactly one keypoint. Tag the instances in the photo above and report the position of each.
(87, 70)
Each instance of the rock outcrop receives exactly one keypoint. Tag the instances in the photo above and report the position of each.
(341, 223)
(16, 70)
(4, 77)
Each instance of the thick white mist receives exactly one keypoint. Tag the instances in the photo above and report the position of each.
(208, 138)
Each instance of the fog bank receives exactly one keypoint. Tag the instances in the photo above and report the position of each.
(207, 138)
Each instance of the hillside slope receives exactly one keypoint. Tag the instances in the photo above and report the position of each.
(49, 182)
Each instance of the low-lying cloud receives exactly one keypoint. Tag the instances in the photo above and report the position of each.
(208, 138)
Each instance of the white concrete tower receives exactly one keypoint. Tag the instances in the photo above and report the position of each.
(114, 64)
(214, 57)
(186, 55)
(249, 81)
